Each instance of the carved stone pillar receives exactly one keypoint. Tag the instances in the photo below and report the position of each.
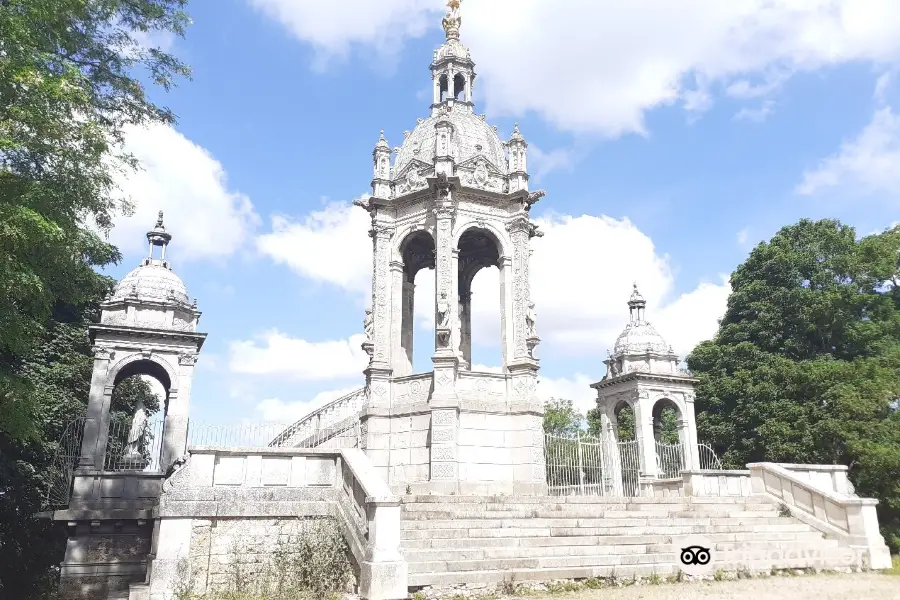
(399, 362)
(643, 431)
(96, 422)
(523, 367)
(175, 429)
(691, 442)
(444, 401)
(407, 328)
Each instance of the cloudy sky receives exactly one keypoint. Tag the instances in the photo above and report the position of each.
(671, 137)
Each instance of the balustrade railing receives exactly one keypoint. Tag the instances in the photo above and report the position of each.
(332, 418)
(62, 467)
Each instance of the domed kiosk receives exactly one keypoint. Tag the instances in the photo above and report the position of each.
(642, 374)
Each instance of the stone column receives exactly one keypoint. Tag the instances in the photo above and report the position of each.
(399, 360)
(507, 334)
(692, 448)
(612, 458)
(96, 424)
(175, 429)
(643, 431)
(444, 401)
(523, 367)
(407, 327)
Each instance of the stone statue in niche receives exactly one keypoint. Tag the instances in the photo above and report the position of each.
(369, 325)
(443, 310)
(132, 452)
(531, 321)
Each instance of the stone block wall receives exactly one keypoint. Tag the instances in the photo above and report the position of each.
(226, 554)
(398, 444)
(104, 557)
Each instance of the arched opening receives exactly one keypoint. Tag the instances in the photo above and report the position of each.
(478, 249)
(418, 253)
(443, 88)
(137, 409)
(627, 450)
(459, 86)
(669, 446)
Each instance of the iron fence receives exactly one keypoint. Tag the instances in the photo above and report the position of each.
(134, 446)
(588, 466)
(62, 467)
(257, 435)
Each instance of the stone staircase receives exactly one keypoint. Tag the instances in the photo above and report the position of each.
(450, 540)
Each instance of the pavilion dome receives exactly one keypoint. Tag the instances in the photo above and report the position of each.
(472, 137)
(639, 335)
(154, 282)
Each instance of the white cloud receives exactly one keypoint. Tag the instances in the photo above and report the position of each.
(881, 87)
(206, 218)
(276, 410)
(330, 245)
(743, 235)
(580, 280)
(277, 354)
(758, 114)
(869, 163)
(332, 28)
(601, 65)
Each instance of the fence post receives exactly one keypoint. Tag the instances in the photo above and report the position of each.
(580, 464)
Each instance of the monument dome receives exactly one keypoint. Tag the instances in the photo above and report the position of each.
(152, 295)
(154, 279)
(639, 336)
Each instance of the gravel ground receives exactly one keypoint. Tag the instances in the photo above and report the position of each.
(857, 586)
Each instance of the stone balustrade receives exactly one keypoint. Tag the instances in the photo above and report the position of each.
(851, 520)
(223, 496)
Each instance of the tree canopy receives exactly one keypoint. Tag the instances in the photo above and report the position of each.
(70, 86)
(805, 366)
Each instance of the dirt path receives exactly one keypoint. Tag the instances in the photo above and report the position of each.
(861, 586)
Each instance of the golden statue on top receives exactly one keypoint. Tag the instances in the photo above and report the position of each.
(452, 20)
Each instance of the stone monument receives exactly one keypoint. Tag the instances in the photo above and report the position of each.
(456, 200)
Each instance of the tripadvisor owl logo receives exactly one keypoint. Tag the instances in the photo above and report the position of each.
(694, 554)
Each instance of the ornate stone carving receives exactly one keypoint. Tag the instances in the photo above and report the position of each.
(369, 325)
(530, 321)
(187, 360)
(442, 435)
(443, 470)
(443, 311)
(442, 453)
(443, 417)
(444, 380)
(103, 353)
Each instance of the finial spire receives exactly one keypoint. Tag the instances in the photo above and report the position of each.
(452, 21)
(158, 236)
(636, 303)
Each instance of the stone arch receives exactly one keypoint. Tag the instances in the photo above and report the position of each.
(478, 247)
(499, 235)
(624, 427)
(140, 364)
(415, 250)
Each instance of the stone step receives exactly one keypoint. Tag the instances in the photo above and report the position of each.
(467, 554)
(494, 575)
(580, 514)
(606, 540)
(490, 507)
(441, 520)
(551, 500)
(784, 526)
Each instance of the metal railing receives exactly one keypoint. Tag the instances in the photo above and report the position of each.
(61, 471)
(588, 466)
(669, 460)
(255, 435)
(329, 417)
(134, 446)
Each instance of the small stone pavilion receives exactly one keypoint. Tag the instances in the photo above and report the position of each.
(642, 373)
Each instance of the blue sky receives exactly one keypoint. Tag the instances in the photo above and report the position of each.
(670, 140)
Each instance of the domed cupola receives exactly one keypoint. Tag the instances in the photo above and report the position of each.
(152, 295)
(453, 140)
(640, 348)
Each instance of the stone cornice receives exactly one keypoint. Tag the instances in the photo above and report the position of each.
(146, 332)
(637, 377)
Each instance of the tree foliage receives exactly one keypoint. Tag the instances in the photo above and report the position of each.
(805, 366)
(69, 89)
(562, 418)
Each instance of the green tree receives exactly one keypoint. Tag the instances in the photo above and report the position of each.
(625, 423)
(59, 369)
(805, 366)
(562, 418)
(69, 89)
